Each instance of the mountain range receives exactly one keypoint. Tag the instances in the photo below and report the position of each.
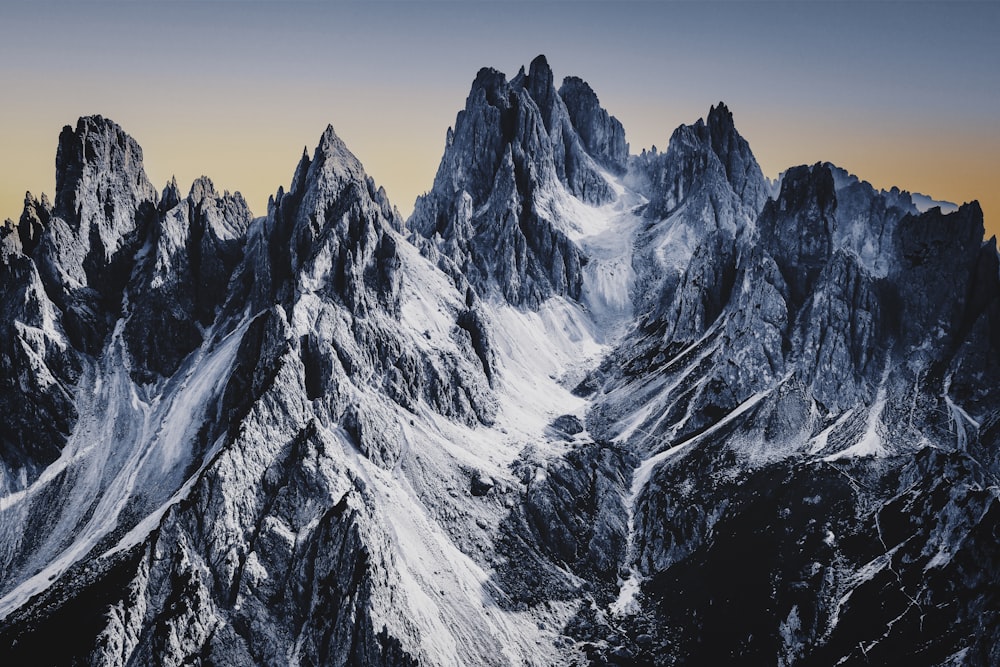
(583, 407)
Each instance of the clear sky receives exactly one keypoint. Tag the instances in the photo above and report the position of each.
(899, 93)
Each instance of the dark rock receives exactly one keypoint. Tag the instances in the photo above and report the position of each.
(514, 147)
(792, 449)
(178, 286)
(602, 135)
(797, 229)
(568, 425)
(937, 257)
(103, 207)
(481, 484)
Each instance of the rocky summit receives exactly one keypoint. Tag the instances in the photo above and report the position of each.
(584, 407)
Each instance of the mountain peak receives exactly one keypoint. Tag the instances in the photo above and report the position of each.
(720, 112)
(734, 152)
(99, 156)
(710, 145)
(330, 135)
(333, 157)
(601, 133)
(540, 71)
(720, 123)
(539, 63)
(323, 435)
(171, 195)
(202, 188)
(492, 83)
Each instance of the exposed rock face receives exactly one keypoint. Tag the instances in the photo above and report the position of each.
(104, 204)
(38, 366)
(602, 135)
(180, 282)
(866, 220)
(798, 228)
(838, 340)
(594, 409)
(937, 255)
(701, 157)
(706, 182)
(515, 151)
(63, 274)
(824, 414)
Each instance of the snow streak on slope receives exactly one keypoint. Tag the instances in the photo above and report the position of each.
(442, 533)
(872, 441)
(126, 457)
(606, 235)
(959, 417)
(439, 532)
(626, 602)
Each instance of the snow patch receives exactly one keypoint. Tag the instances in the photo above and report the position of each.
(126, 453)
(871, 443)
(626, 602)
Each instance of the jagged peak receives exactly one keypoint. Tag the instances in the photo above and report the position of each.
(720, 114)
(37, 202)
(201, 189)
(817, 179)
(332, 171)
(687, 138)
(115, 138)
(971, 211)
(97, 124)
(34, 218)
(912, 201)
(539, 72)
(98, 148)
(333, 157)
(577, 83)
(490, 74)
(540, 86)
(491, 83)
(539, 64)
(171, 195)
(602, 134)
(842, 177)
(990, 244)
(924, 202)
(299, 177)
(329, 135)
(722, 130)
(331, 146)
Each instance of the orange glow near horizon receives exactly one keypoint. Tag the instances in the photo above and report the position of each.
(899, 94)
(959, 168)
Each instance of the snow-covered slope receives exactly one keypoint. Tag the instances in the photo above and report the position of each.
(583, 407)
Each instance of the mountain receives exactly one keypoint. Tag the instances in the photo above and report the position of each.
(583, 407)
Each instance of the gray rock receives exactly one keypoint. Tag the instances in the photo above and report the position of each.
(513, 149)
(481, 484)
(798, 228)
(601, 134)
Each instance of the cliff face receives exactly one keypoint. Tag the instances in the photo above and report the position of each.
(582, 407)
(519, 148)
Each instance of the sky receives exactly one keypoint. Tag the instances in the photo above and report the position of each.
(899, 93)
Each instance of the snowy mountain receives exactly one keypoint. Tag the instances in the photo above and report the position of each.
(583, 407)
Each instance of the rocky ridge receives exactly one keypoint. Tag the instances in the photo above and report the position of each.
(763, 428)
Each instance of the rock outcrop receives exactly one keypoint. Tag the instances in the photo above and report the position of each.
(516, 151)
